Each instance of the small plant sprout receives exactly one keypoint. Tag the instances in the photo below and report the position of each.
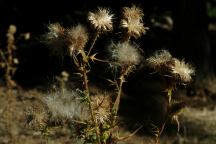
(177, 72)
(132, 22)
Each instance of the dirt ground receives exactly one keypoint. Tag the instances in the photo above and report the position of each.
(197, 122)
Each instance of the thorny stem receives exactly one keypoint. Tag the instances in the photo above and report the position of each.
(93, 43)
(117, 101)
(86, 90)
(119, 92)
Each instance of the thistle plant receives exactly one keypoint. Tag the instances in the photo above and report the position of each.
(9, 63)
(95, 116)
(100, 113)
(8, 59)
(125, 55)
(75, 40)
(176, 72)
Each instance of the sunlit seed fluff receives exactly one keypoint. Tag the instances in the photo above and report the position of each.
(101, 19)
(182, 71)
(125, 54)
(134, 28)
(159, 60)
(133, 13)
(66, 105)
(77, 37)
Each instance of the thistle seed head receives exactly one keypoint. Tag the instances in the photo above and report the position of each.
(55, 31)
(125, 54)
(36, 117)
(102, 106)
(159, 60)
(134, 28)
(77, 37)
(101, 19)
(182, 71)
(132, 21)
(133, 12)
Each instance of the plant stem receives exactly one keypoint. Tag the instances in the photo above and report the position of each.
(117, 101)
(93, 43)
(86, 90)
(169, 100)
(119, 85)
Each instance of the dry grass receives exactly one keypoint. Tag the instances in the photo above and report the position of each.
(197, 125)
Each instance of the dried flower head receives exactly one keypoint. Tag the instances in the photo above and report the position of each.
(102, 106)
(133, 12)
(132, 21)
(101, 19)
(134, 28)
(36, 117)
(55, 31)
(65, 105)
(77, 38)
(55, 38)
(159, 60)
(182, 71)
(125, 54)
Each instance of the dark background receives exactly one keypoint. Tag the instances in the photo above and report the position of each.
(189, 38)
